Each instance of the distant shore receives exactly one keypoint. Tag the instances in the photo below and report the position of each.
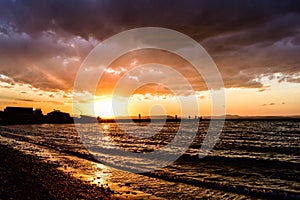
(27, 115)
(157, 120)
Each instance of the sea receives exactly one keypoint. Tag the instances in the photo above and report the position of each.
(252, 159)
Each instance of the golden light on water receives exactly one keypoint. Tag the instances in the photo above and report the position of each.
(105, 127)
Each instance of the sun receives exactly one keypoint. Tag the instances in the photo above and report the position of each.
(111, 107)
(103, 108)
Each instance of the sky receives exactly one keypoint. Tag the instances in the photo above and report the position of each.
(254, 44)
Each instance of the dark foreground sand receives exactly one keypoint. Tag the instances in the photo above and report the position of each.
(26, 177)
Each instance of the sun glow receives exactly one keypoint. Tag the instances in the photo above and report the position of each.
(109, 107)
(103, 108)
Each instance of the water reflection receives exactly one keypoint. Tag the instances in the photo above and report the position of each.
(250, 157)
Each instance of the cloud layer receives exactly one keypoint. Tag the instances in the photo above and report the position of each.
(44, 42)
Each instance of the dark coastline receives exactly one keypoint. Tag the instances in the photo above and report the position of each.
(179, 120)
(25, 115)
(26, 177)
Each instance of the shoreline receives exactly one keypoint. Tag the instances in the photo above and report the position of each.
(179, 120)
(27, 177)
(52, 173)
(43, 161)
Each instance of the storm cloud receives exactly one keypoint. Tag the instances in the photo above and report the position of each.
(43, 43)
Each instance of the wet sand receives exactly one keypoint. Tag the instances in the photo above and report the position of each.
(26, 177)
(35, 171)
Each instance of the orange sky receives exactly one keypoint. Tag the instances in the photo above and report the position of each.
(276, 98)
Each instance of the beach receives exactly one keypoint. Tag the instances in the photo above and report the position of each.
(251, 160)
(27, 177)
(30, 171)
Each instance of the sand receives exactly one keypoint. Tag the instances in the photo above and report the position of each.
(26, 177)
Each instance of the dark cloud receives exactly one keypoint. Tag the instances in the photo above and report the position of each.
(28, 100)
(6, 86)
(270, 104)
(264, 89)
(105, 17)
(294, 80)
(43, 42)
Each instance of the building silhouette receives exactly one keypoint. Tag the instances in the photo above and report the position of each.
(18, 115)
(58, 117)
(1, 117)
(27, 115)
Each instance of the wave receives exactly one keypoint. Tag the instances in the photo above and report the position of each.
(238, 189)
(261, 165)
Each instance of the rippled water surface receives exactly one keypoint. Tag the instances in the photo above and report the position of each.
(255, 159)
